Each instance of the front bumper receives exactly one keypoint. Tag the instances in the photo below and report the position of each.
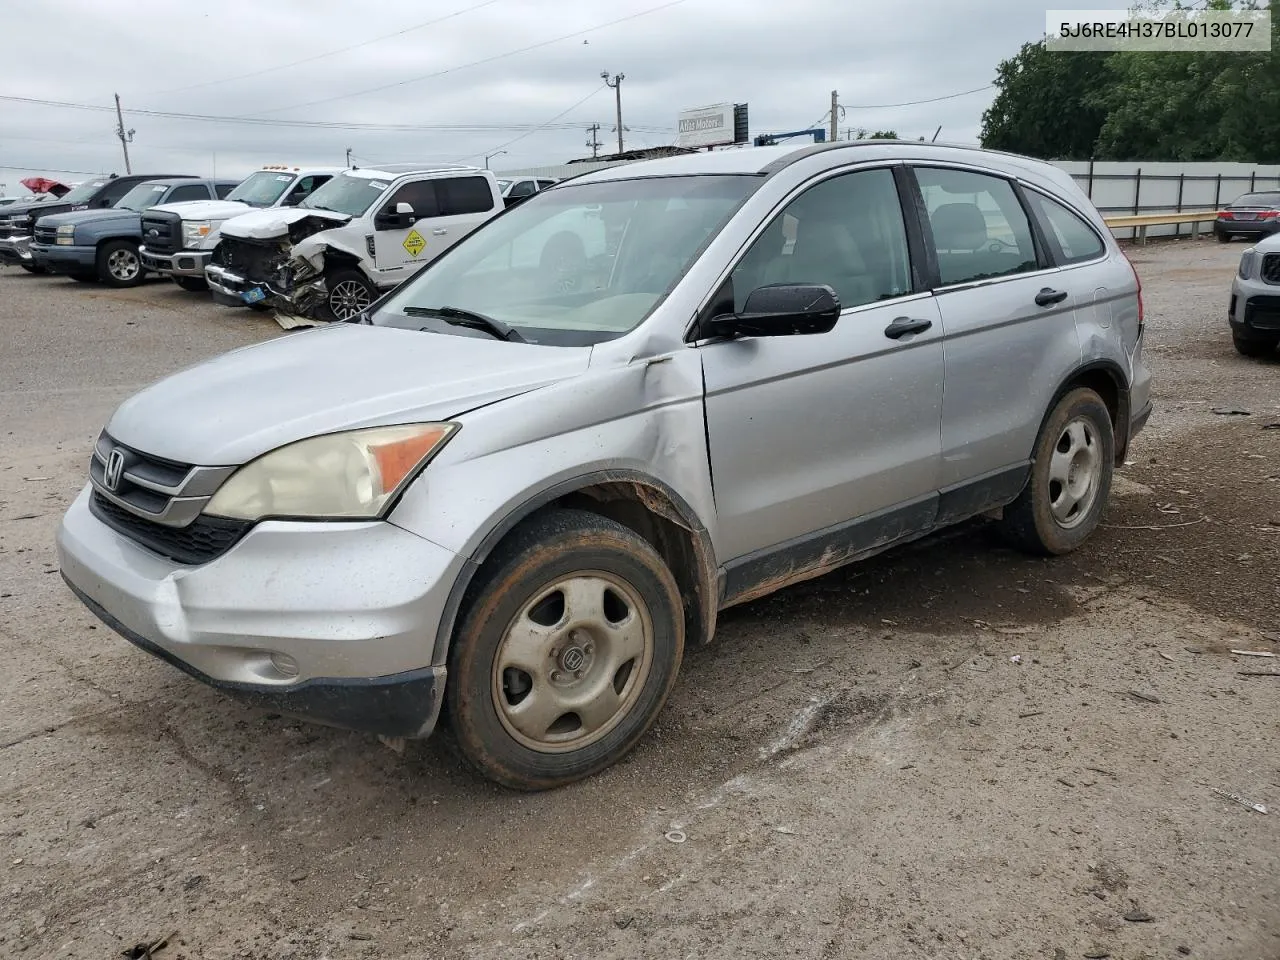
(60, 258)
(228, 287)
(15, 250)
(184, 263)
(1254, 311)
(355, 606)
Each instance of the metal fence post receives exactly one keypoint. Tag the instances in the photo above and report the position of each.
(1253, 180)
(1177, 227)
(1089, 189)
(1217, 193)
(1137, 195)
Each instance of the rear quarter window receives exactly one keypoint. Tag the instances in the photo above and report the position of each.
(1077, 240)
(459, 195)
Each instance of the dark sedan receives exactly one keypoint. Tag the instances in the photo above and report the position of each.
(1254, 216)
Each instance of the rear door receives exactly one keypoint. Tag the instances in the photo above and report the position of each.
(1011, 334)
(827, 443)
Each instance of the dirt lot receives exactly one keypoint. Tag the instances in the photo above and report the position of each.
(857, 766)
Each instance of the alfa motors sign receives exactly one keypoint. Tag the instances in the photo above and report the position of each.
(706, 126)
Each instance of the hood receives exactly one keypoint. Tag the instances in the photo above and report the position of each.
(1269, 244)
(85, 216)
(203, 209)
(23, 209)
(273, 223)
(238, 406)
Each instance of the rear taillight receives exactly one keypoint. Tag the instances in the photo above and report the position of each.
(1268, 214)
(1226, 215)
(1138, 280)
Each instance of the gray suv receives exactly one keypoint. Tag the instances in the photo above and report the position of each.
(513, 493)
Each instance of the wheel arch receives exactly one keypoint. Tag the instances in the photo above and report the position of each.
(1107, 379)
(649, 507)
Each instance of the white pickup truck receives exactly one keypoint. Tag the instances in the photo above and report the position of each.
(362, 233)
(178, 239)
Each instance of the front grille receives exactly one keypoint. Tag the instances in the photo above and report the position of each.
(46, 234)
(162, 232)
(202, 540)
(15, 228)
(1271, 268)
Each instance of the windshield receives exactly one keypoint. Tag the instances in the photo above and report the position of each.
(142, 196)
(262, 189)
(84, 192)
(1257, 200)
(346, 194)
(503, 184)
(576, 265)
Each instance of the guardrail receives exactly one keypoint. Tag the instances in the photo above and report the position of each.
(1144, 220)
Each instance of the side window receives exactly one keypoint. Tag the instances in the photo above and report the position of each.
(543, 184)
(1076, 239)
(846, 232)
(190, 191)
(980, 230)
(303, 189)
(112, 193)
(460, 195)
(222, 189)
(420, 195)
(525, 188)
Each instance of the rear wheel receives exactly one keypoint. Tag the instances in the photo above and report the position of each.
(192, 284)
(1255, 348)
(566, 653)
(1070, 481)
(119, 264)
(348, 293)
(1223, 237)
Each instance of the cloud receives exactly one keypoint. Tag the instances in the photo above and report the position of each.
(781, 58)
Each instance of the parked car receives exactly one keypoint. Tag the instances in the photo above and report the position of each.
(1254, 215)
(18, 222)
(522, 188)
(103, 245)
(515, 501)
(361, 233)
(179, 238)
(1254, 313)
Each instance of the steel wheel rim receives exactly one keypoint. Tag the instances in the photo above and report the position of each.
(349, 298)
(123, 264)
(572, 662)
(1075, 473)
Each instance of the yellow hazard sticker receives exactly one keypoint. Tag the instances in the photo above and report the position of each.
(414, 243)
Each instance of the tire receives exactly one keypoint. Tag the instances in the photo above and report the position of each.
(192, 284)
(1223, 237)
(347, 292)
(528, 591)
(33, 268)
(119, 264)
(1255, 348)
(1071, 469)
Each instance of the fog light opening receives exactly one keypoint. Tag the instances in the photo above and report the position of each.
(284, 664)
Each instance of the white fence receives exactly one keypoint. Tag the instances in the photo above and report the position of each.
(1116, 188)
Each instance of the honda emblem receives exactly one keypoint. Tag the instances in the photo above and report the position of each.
(113, 470)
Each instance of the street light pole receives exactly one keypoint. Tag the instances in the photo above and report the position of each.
(490, 156)
(616, 83)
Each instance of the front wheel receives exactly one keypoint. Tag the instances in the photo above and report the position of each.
(191, 284)
(1070, 480)
(119, 264)
(566, 653)
(33, 268)
(1255, 348)
(349, 293)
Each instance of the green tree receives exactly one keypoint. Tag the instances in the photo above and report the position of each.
(1048, 104)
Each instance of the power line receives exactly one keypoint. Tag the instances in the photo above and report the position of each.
(548, 124)
(331, 53)
(913, 103)
(90, 173)
(476, 63)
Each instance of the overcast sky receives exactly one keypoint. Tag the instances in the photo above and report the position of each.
(782, 58)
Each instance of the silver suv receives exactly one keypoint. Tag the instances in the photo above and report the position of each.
(540, 478)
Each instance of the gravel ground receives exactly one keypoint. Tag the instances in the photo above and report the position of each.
(857, 767)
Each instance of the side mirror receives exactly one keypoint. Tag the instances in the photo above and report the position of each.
(398, 219)
(779, 310)
(404, 209)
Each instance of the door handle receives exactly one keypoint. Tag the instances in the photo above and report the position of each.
(1047, 297)
(901, 326)
(441, 231)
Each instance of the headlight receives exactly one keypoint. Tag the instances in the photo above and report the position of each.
(1246, 264)
(66, 234)
(193, 231)
(348, 475)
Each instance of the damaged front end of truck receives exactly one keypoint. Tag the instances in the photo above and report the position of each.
(277, 259)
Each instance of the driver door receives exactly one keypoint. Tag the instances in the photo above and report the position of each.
(826, 444)
(399, 241)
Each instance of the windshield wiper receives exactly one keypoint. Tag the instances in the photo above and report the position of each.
(456, 316)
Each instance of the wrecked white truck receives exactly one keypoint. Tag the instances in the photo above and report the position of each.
(362, 233)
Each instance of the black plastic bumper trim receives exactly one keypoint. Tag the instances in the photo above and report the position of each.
(399, 705)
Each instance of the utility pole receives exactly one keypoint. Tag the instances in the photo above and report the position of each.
(126, 137)
(348, 158)
(616, 83)
(594, 142)
(835, 115)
